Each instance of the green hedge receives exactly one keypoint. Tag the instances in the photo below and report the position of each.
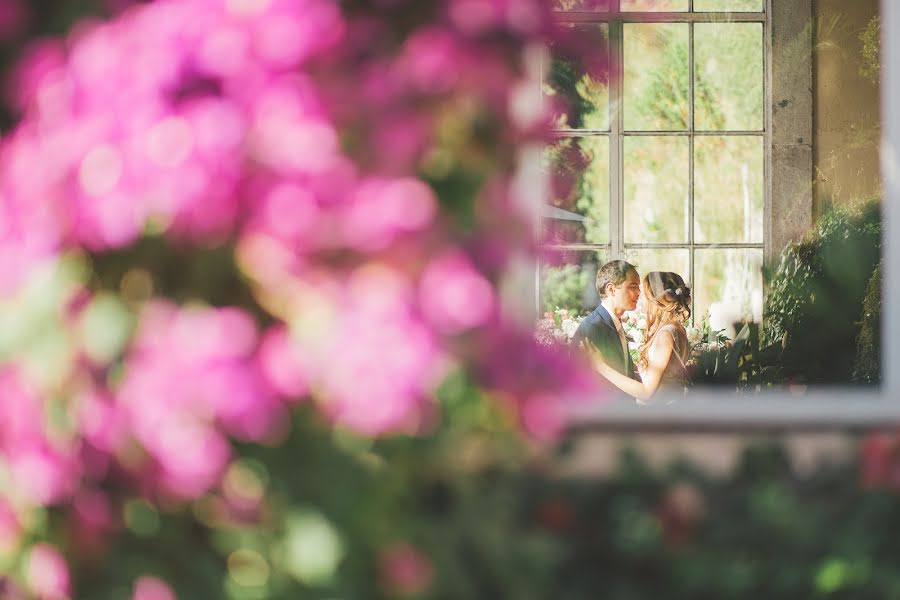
(815, 296)
(868, 355)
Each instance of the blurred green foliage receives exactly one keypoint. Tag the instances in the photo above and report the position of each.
(493, 525)
(816, 292)
(868, 344)
(870, 36)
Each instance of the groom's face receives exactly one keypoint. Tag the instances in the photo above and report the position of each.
(625, 295)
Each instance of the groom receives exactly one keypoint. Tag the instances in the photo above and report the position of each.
(619, 286)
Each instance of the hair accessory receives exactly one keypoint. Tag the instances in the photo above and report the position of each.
(679, 291)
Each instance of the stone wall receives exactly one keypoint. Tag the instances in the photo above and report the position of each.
(846, 106)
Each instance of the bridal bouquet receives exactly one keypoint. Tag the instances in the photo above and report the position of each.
(634, 323)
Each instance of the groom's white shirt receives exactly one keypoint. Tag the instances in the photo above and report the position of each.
(619, 329)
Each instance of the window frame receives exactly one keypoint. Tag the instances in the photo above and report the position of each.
(616, 134)
(788, 407)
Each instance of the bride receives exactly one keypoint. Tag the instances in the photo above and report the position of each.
(662, 356)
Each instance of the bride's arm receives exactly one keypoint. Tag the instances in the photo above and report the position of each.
(658, 358)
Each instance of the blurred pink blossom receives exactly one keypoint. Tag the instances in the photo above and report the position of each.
(455, 296)
(405, 570)
(13, 18)
(47, 574)
(152, 588)
(10, 528)
(191, 378)
(379, 362)
(42, 470)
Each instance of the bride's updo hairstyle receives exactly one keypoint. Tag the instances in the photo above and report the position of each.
(667, 301)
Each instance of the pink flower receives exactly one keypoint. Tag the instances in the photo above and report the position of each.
(47, 574)
(191, 377)
(10, 528)
(380, 362)
(13, 18)
(152, 588)
(382, 209)
(454, 296)
(283, 364)
(404, 570)
(42, 470)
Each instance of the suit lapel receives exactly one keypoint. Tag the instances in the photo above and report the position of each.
(626, 358)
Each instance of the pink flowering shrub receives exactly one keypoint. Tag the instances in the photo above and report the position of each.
(352, 173)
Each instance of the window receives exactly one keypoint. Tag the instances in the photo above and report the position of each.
(661, 150)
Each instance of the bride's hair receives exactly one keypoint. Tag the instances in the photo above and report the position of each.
(667, 301)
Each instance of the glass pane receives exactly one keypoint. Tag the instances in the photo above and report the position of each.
(654, 5)
(578, 208)
(729, 5)
(582, 5)
(656, 189)
(728, 76)
(577, 86)
(661, 259)
(728, 189)
(656, 76)
(567, 279)
(729, 287)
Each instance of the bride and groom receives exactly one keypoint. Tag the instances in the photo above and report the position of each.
(664, 351)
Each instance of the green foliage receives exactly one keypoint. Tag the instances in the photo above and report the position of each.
(492, 526)
(739, 363)
(564, 287)
(868, 357)
(816, 295)
(870, 37)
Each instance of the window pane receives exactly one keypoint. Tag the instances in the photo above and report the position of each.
(728, 189)
(728, 76)
(729, 286)
(582, 5)
(656, 76)
(661, 259)
(656, 189)
(578, 208)
(567, 279)
(577, 86)
(729, 5)
(655, 5)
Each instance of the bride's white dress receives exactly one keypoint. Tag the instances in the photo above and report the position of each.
(675, 377)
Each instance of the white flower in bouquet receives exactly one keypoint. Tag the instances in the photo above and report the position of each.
(695, 336)
(634, 324)
(569, 327)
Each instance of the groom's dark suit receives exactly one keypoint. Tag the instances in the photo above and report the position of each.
(599, 328)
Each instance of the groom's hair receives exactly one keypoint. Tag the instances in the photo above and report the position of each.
(614, 272)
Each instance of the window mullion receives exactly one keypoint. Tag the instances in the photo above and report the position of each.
(616, 172)
(690, 228)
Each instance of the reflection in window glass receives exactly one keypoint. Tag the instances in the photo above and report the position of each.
(582, 5)
(654, 5)
(661, 259)
(728, 189)
(567, 279)
(728, 76)
(578, 207)
(577, 86)
(729, 286)
(656, 84)
(656, 189)
(729, 5)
